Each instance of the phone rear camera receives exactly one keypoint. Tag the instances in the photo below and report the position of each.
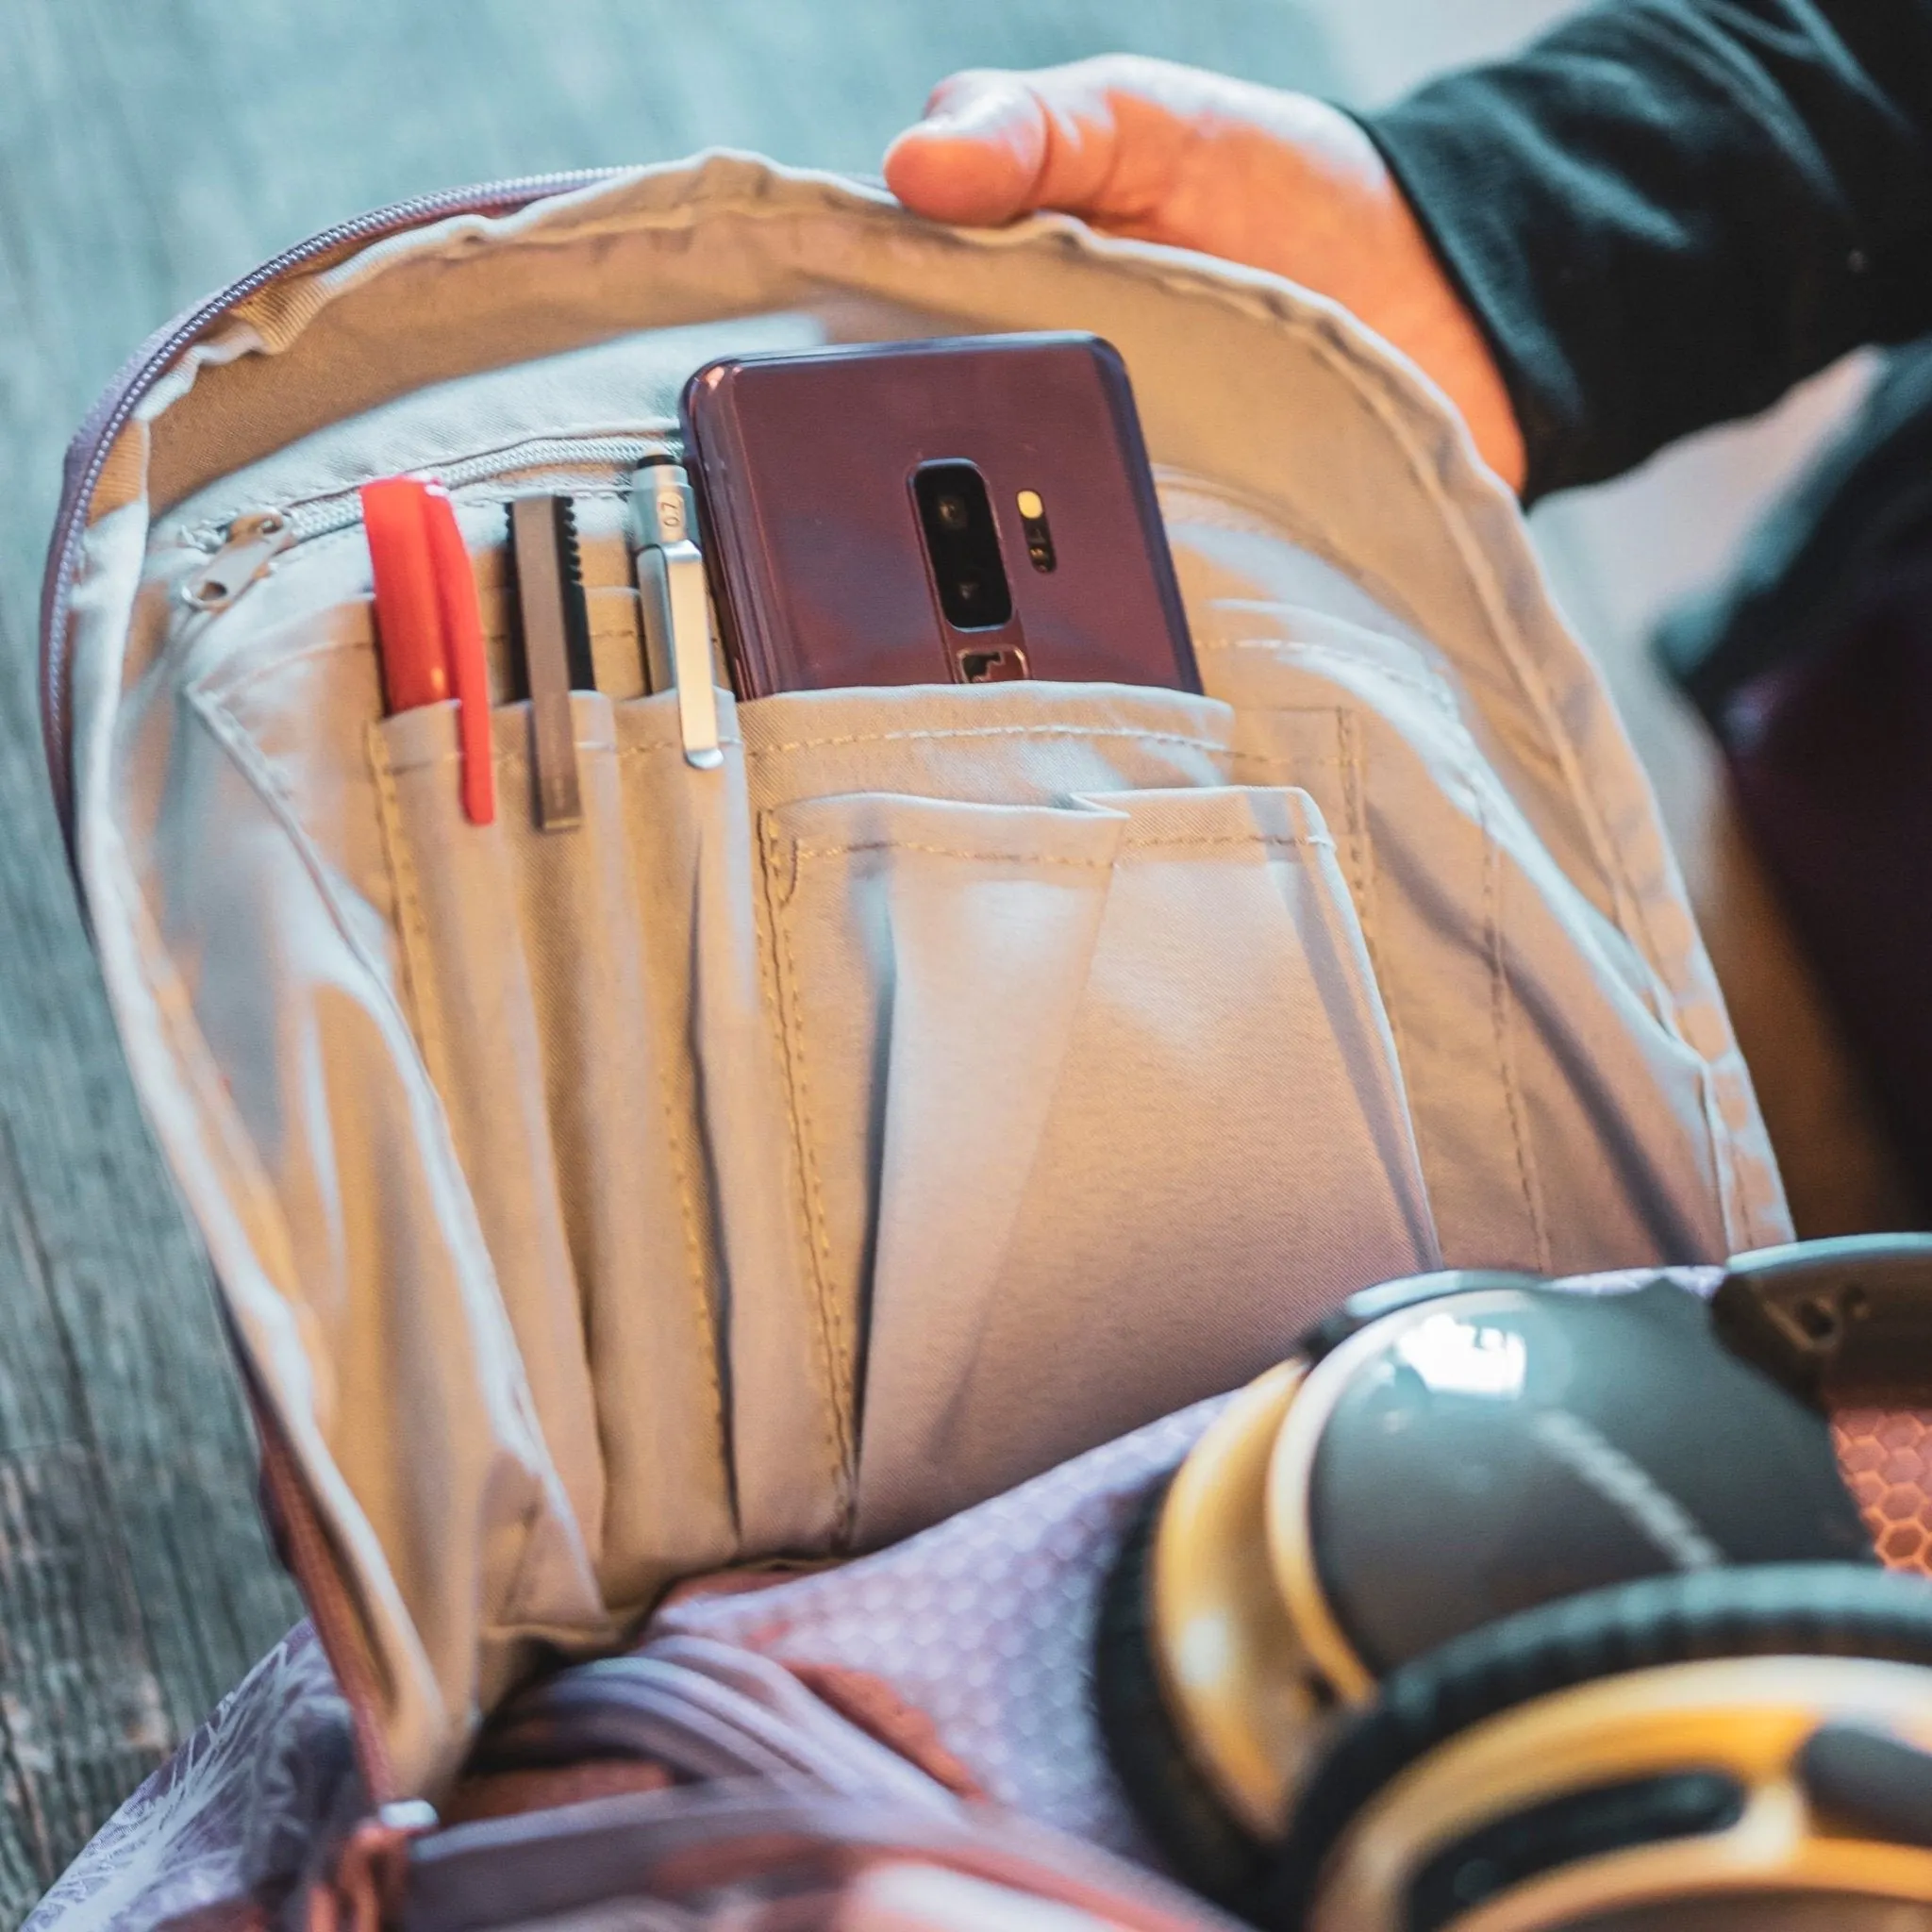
(962, 545)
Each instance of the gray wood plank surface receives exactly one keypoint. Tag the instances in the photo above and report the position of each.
(149, 150)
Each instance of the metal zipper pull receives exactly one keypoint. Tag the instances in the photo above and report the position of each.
(251, 545)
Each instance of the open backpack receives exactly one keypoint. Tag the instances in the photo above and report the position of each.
(714, 1283)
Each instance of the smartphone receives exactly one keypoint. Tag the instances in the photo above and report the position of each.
(968, 510)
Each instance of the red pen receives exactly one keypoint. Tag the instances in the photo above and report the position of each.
(463, 652)
(429, 626)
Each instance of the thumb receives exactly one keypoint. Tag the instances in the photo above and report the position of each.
(978, 155)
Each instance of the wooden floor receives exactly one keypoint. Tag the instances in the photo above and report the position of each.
(150, 150)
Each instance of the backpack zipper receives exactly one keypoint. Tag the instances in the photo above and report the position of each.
(87, 454)
(244, 550)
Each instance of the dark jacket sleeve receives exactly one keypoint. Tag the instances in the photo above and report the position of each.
(1667, 211)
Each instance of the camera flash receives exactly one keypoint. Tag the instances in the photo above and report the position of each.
(1033, 527)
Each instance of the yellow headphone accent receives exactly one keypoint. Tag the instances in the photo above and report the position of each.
(1746, 1717)
(1235, 1678)
(1248, 1651)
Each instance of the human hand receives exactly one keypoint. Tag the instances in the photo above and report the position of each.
(1173, 154)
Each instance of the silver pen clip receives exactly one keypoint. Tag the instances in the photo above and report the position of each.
(678, 614)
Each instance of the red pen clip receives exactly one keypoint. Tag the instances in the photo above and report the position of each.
(428, 623)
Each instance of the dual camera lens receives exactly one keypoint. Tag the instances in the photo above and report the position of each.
(962, 543)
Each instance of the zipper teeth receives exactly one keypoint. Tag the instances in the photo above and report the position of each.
(111, 414)
(321, 516)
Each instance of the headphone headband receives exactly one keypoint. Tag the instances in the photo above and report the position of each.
(1843, 1321)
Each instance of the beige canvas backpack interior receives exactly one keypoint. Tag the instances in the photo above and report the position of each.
(799, 1151)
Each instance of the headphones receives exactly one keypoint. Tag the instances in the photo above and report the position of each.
(1507, 1607)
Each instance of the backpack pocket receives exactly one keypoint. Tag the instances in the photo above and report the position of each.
(1096, 1107)
(551, 1007)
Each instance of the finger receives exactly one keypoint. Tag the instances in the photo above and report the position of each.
(978, 155)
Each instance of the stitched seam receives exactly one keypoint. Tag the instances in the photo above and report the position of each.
(1348, 765)
(785, 1003)
(514, 756)
(1554, 741)
(701, 1300)
(1499, 1021)
(831, 1315)
(1277, 841)
(1384, 400)
(947, 852)
(669, 744)
(1291, 765)
(1285, 841)
(1275, 765)
(1209, 745)
(411, 924)
(686, 1209)
(1361, 857)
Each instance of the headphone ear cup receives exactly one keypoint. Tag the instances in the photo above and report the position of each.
(1208, 1846)
(1795, 1610)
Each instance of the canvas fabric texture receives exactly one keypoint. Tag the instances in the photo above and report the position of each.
(804, 1152)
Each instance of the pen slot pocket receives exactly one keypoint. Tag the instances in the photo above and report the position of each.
(694, 869)
(1096, 1105)
(556, 1045)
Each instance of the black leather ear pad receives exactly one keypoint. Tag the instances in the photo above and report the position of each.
(1796, 1609)
(1208, 1847)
